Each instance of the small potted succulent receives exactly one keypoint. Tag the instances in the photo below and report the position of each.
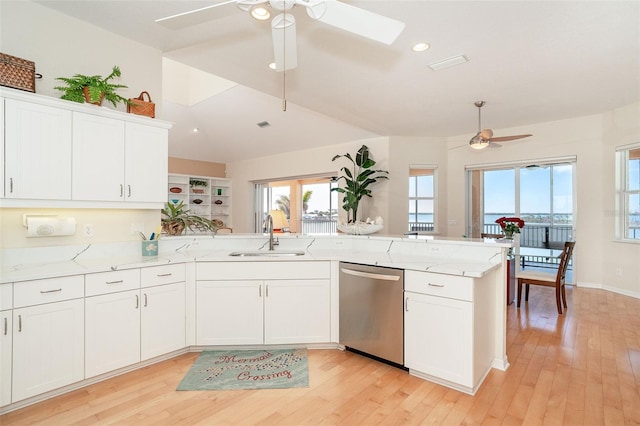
(176, 218)
(92, 88)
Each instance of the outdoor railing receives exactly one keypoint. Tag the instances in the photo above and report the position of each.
(538, 235)
(319, 226)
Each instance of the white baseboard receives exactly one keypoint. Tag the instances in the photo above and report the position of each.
(634, 294)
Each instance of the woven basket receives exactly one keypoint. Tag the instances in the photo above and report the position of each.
(17, 73)
(141, 107)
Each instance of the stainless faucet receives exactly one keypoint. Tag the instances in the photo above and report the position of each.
(272, 242)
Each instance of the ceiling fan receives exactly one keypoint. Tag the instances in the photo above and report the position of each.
(484, 137)
(283, 26)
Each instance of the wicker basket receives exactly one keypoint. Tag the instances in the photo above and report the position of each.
(141, 107)
(17, 73)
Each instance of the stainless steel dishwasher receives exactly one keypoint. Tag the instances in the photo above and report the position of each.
(371, 311)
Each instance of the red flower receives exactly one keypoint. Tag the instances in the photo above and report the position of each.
(504, 220)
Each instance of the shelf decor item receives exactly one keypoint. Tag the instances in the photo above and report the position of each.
(356, 186)
(198, 185)
(141, 107)
(18, 73)
(175, 190)
(176, 218)
(92, 88)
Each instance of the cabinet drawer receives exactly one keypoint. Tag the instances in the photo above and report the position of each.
(450, 286)
(164, 274)
(271, 270)
(6, 296)
(113, 281)
(37, 292)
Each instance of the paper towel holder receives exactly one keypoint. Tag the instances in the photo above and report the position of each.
(45, 225)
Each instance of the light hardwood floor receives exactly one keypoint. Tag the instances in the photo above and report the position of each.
(582, 367)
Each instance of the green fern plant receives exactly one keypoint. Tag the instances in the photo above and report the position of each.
(97, 88)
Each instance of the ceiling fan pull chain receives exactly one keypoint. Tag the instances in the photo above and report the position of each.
(284, 66)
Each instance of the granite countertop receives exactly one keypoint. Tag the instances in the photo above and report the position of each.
(462, 257)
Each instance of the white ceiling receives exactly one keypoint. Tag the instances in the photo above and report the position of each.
(532, 61)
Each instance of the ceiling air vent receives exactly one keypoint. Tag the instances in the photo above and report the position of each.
(263, 124)
(449, 62)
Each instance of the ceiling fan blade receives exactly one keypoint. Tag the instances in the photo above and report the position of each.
(197, 16)
(355, 20)
(285, 49)
(509, 138)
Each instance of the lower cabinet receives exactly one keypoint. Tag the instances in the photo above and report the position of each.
(6, 345)
(233, 307)
(448, 329)
(48, 347)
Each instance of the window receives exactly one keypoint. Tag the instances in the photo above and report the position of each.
(422, 199)
(628, 191)
(307, 201)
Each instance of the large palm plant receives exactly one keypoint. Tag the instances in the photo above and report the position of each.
(357, 181)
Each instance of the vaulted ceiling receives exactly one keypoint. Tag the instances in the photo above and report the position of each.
(531, 61)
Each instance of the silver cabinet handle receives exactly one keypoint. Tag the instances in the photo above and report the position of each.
(164, 275)
(50, 291)
(115, 282)
(11, 185)
(137, 301)
(266, 290)
(406, 304)
(5, 326)
(145, 300)
(129, 191)
(19, 323)
(260, 290)
(121, 190)
(435, 285)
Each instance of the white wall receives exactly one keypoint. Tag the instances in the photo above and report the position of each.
(592, 140)
(303, 163)
(62, 46)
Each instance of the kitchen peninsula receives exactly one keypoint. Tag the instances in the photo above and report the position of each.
(111, 310)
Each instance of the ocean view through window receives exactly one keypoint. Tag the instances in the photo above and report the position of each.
(628, 193)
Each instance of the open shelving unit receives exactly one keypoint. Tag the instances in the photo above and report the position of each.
(205, 196)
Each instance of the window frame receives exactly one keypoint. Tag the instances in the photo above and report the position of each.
(623, 192)
(434, 169)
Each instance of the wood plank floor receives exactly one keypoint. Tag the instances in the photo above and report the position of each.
(579, 368)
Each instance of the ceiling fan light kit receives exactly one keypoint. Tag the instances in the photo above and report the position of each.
(484, 138)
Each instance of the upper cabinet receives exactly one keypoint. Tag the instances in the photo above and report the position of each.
(37, 151)
(64, 154)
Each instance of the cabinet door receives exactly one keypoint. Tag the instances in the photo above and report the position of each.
(297, 311)
(430, 319)
(146, 163)
(48, 347)
(113, 331)
(6, 333)
(98, 158)
(163, 320)
(229, 312)
(37, 151)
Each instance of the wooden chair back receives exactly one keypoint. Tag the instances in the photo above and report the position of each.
(484, 235)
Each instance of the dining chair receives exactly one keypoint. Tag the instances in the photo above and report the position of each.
(497, 236)
(548, 279)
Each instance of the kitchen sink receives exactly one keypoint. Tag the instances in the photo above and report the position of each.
(267, 253)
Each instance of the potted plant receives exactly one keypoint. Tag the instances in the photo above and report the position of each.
(198, 185)
(92, 88)
(510, 226)
(176, 218)
(356, 185)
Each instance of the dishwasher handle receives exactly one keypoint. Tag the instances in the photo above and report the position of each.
(370, 275)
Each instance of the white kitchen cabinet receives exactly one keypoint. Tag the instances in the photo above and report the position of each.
(2, 147)
(48, 347)
(6, 342)
(113, 331)
(37, 151)
(450, 311)
(115, 160)
(229, 312)
(290, 304)
(297, 311)
(162, 328)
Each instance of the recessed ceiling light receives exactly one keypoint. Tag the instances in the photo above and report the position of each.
(272, 65)
(420, 47)
(260, 13)
(449, 62)
(195, 130)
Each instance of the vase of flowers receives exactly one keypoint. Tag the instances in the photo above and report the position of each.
(510, 226)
